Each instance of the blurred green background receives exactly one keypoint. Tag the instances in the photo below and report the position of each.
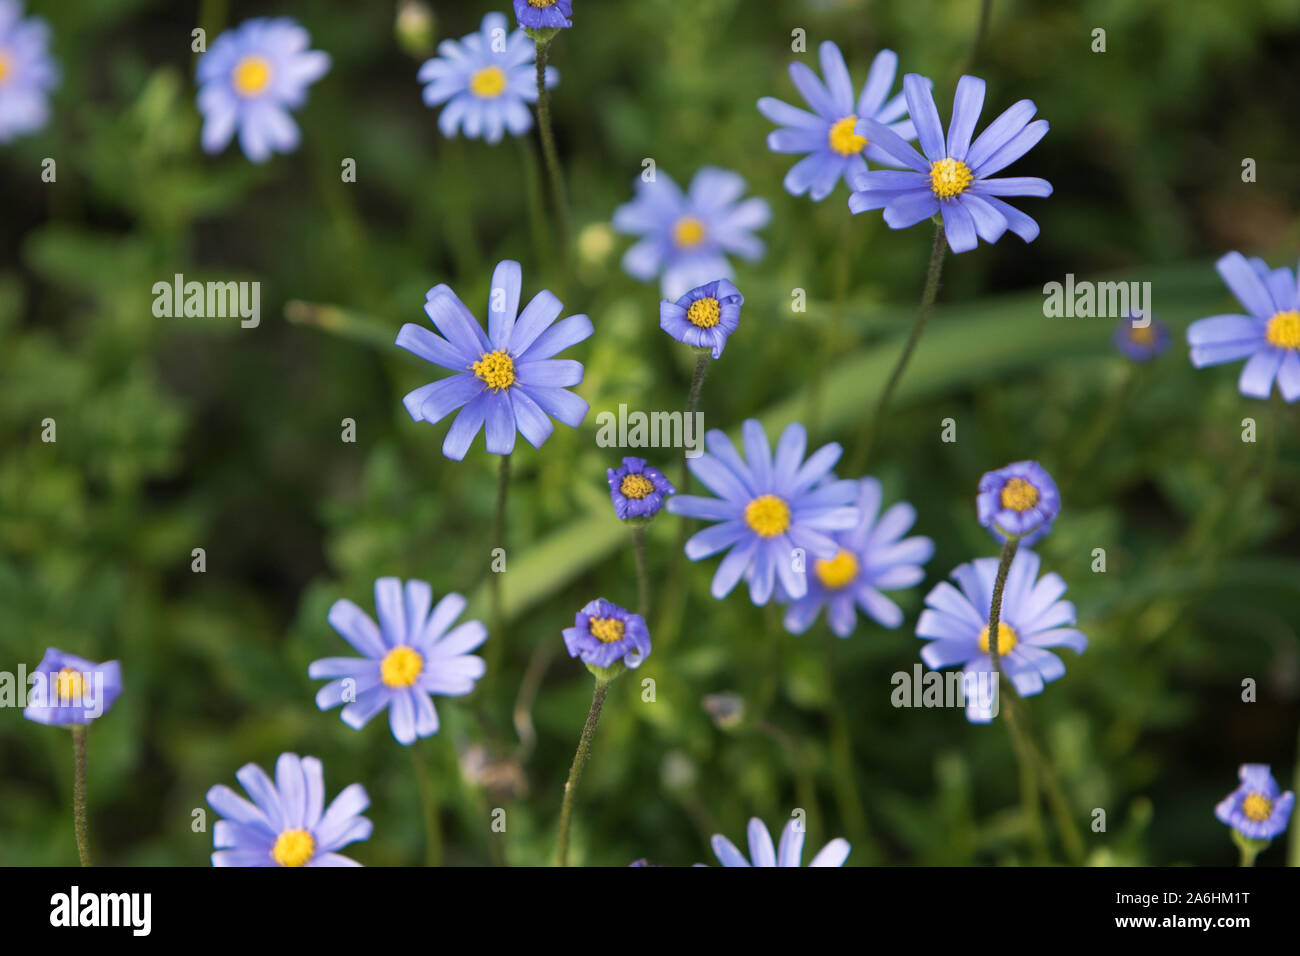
(175, 434)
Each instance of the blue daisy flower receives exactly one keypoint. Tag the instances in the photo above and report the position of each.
(637, 490)
(287, 822)
(413, 654)
(507, 378)
(249, 79)
(762, 852)
(69, 690)
(605, 635)
(704, 317)
(1020, 500)
(686, 237)
(1269, 336)
(1032, 618)
(487, 79)
(27, 72)
(544, 14)
(772, 514)
(952, 178)
(870, 559)
(1257, 809)
(1141, 343)
(828, 135)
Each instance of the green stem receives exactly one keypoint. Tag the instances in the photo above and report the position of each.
(495, 647)
(1102, 426)
(429, 804)
(844, 777)
(79, 794)
(1009, 549)
(981, 31)
(551, 156)
(533, 193)
(642, 572)
(575, 771)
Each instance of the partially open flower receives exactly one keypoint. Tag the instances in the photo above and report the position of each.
(637, 490)
(608, 638)
(1018, 501)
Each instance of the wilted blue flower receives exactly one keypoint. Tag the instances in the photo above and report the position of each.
(1142, 343)
(952, 177)
(1032, 618)
(410, 656)
(605, 635)
(871, 559)
(638, 490)
(1269, 335)
(1019, 500)
(1258, 808)
(68, 690)
(763, 853)
(249, 79)
(287, 823)
(506, 378)
(829, 134)
(766, 509)
(27, 72)
(704, 317)
(686, 237)
(544, 14)
(487, 79)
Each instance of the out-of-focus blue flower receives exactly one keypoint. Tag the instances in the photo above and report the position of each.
(638, 490)
(1269, 336)
(1142, 343)
(605, 635)
(249, 79)
(506, 378)
(765, 509)
(67, 689)
(704, 317)
(544, 14)
(1257, 809)
(1032, 618)
(871, 559)
(27, 72)
(287, 823)
(952, 178)
(686, 237)
(487, 79)
(413, 654)
(1019, 500)
(828, 135)
(763, 853)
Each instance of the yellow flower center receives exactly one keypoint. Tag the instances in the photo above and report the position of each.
(5, 66)
(541, 4)
(488, 83)
(69, 685)
(704, 313)
(837, 572)
(495, 369)
(1284, 330)
(1257, 807)
(688, 232)
(401, 667)
(1142, 334)
(768, 515)
(1006, 638)
(607, 630)
(1019, 495)
(636, 486)
(293, 848)
(949, 178)
(844, 140)
(251, 75)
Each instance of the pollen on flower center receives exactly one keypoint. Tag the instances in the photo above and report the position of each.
(401, 667)
(688, 232)
(1007, 639)
(1142, 334)
(949, 178)
(5, 66)
(251, 75)
(495, 369)
(488, 83)
(837, 572)
(1257, 807)
(1284, 330)
(541, 4)
(843, 139)
(767, 515)
(1019, 495)
(635, 486)
(704, 313)
(607, 630)
(69, 685)
(293, 848)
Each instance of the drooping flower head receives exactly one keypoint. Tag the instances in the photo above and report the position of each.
(765, 509)
(828, 135)
(1269, 336)
(686, 237)
(1142, 339)
(871, 559)
(412, 654)
(544, 14)
(507, 378)
(487, 79)
(287, 823)
(1257, 809)
(763, 853)
(638, 490)
(608, 637)
(249, 80)
(67, 689)
(1019, 501)
(952, 178)
(1032, 619)
(704, 317)
(27, 72)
